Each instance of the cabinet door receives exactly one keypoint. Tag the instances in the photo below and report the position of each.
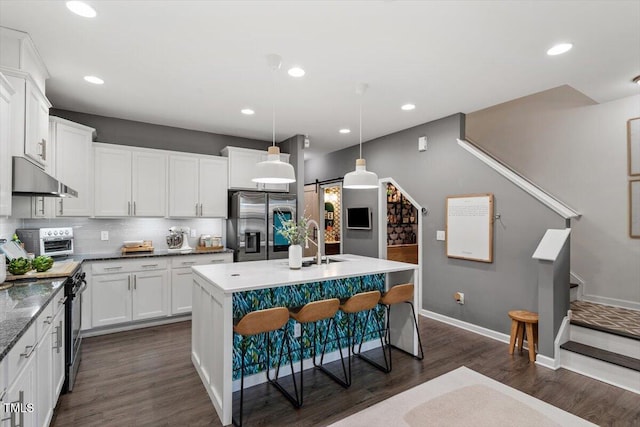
(275, 187)
(73, 168)
(21, 394)
(213, 187)
(150, 294)
(110, 299)
(112, 182)
(181, 284)
(183, 187)
(36, 125)
(44, 369)
(57, 365)
(149, 184)
(242, 165)
(5, 151)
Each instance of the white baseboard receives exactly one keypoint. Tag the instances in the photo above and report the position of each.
(490, 333)
(131, 326)
(633, 305)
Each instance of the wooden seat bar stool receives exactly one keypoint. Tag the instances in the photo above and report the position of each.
(310, 314)
(264, 322)
(521, 320)
(400, 294)
(351, 307)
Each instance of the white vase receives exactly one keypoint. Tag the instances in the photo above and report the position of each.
(295, 256)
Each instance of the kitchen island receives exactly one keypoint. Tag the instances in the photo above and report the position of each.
(227, 291)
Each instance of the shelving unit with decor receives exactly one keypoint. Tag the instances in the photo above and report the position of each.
(402, 227)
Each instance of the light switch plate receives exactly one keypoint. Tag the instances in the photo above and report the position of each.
(422, 143)
(440, 235)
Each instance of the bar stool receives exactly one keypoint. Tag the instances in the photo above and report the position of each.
(397, 295)
(351, 307)
(521, 319)
(264, 322)
(310, 314)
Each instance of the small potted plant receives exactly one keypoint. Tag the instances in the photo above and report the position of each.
(296, 234)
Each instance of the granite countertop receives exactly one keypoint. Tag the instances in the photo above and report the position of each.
(157, 253)
(21, 305)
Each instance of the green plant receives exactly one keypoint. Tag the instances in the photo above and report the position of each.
(296, 233)
(19, 266)
(42, 263)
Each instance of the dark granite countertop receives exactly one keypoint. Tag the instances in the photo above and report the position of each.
(158, 253)
(19, 307)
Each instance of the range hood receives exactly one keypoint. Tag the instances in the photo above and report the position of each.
(30, 180)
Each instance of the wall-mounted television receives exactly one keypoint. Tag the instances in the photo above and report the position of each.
(358, 218)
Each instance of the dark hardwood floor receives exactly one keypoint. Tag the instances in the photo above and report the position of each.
(145, 378)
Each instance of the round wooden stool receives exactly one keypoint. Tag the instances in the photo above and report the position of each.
(521, 319)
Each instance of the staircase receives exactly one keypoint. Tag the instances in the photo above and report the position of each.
(604, 343)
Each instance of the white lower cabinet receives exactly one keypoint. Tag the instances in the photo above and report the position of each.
(124, 291)
(182, 278)
(33, 371)
(127, 291)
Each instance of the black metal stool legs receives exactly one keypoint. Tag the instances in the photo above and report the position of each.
(386, 368)
(415, 323)
(295, 401)
(346, 382)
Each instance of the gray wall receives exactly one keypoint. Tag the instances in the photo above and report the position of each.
(577, 150)
(147, 135)
(491, 290)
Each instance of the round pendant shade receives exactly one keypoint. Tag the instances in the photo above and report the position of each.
(273, 170)
(361, 178)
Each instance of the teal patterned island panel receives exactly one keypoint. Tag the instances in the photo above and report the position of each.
(293, 296)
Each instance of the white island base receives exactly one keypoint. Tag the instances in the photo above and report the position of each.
(214, 288)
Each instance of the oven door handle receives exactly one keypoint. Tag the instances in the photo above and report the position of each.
(82, 288)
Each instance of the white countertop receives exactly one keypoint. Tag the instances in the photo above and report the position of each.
(246, 276)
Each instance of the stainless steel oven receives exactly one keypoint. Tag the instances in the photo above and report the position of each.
(74, 287)
(47, 241)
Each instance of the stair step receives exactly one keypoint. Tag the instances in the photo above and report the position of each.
(605, 329)
(604, 355)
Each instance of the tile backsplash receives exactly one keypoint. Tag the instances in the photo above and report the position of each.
(87, 230)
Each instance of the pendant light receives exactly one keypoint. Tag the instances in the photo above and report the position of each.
(273, 170)
(361, 178)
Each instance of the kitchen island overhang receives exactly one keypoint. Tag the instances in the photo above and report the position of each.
(222, 292)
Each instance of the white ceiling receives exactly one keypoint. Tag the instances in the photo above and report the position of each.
(195, 64)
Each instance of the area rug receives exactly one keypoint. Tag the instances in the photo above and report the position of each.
(462, 398)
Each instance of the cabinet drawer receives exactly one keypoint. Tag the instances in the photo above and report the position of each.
(204, 259)
(21, 353)
(44, 320)
(58, 301)
(127, 266)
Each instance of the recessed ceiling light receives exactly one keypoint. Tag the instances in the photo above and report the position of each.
(345, 130)
(247, 111)
(93, 79)
(296, 72)
(82, 9)
(637, 80)
(559, 49)
(408, 107)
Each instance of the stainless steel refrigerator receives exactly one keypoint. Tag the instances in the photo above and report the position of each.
(253, 222)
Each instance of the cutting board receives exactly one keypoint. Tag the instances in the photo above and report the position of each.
(59, 269)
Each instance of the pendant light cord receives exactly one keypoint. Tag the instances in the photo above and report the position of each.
(273, 108)
(360, 126)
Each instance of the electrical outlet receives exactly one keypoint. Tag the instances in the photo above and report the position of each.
(297, 330)
(193, 232)
(459, 297)
(104, 235)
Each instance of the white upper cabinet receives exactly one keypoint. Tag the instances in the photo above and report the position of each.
(197, 186)
(36, 130)
(242, 162)
(73, 160)
(6, 94)
(129, 182)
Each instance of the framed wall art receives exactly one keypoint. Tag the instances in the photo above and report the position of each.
(469, 232)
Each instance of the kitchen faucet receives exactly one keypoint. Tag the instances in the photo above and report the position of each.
(318, 244)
